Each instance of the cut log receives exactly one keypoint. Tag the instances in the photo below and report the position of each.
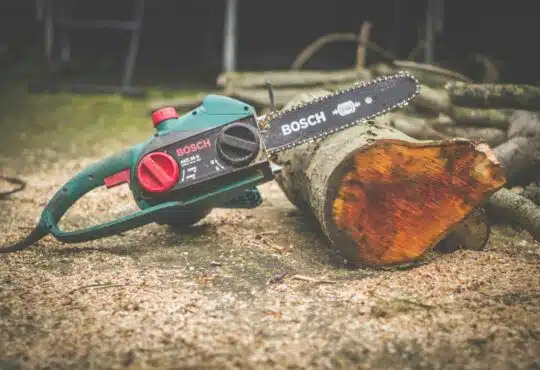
(472, 234)
(441, 128)
(520, 159)
(508, 96)
(382, 197)
(491, 135)
(436, 100)
(524, 123)
(291, 79)
(497, 118)
(532, 192)
(515, 209)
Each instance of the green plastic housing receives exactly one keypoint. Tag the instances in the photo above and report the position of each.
(214, 111)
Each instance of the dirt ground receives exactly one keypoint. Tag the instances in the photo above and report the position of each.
(247, 289)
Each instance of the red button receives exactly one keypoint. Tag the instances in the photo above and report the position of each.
(118, 178)
(157, 172)
(163, 114)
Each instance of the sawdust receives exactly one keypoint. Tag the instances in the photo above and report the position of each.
(223, 294)
(217, 296)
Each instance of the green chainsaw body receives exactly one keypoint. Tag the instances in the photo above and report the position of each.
(237, 190)
(215, 111)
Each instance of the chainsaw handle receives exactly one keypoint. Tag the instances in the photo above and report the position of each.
(88, 179)
(134, 220)
(94, 175)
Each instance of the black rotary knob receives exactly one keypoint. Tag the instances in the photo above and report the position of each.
(238, 144)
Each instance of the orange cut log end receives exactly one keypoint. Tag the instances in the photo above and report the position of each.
(396, 199)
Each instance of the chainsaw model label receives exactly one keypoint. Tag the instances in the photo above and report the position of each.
(214, 156)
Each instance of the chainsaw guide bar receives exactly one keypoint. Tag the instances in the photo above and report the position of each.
(334, 112)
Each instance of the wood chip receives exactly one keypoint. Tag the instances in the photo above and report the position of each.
(271, 244)
(313, 280)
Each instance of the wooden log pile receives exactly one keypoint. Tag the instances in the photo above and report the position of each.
(380, 195)
(383, 197)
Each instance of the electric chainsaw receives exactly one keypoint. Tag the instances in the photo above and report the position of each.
(214, 156)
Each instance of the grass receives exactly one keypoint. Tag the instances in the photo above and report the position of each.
(78, 125)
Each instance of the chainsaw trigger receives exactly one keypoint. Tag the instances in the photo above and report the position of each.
(118, 178)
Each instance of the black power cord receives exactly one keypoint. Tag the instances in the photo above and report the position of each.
(20, 185)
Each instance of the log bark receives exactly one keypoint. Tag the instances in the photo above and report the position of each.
(441, 128)
(497, 118)
(415, 127)
(515, 209)
(439, 101)
(472, 234)
(432, 99)
(427, 74)
(520, 159)
(491, 135)
(382, 197)
(508, 96)
(291, 79)
(532, 192)
(524, 123)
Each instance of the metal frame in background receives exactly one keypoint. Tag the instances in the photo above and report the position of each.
(434, 24)
(230, 36)
(55, 16)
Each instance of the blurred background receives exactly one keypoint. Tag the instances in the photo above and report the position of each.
(171, 48)
(182, 42)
